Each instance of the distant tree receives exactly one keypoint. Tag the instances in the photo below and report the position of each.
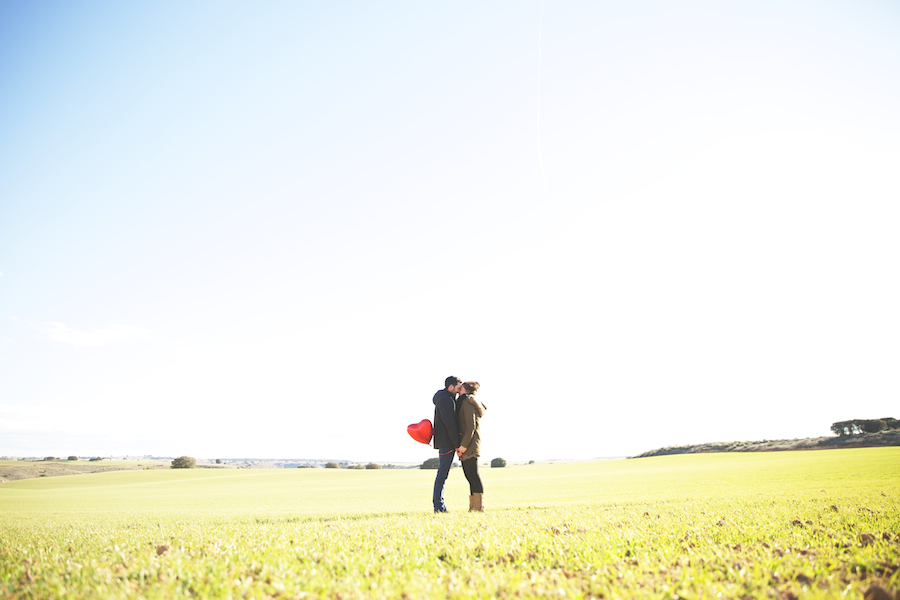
(218, 461)
(498, 462)
(332, 465)
(373, 466)
(530, 462)
(858, 426)
(843, 428)
(184, 462)
(356, 467)
(73, 458)
(431, 463)
(49, 458)
(890, 423)
(96, 458)
(873, 426)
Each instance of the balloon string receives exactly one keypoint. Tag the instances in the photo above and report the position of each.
(446, 453)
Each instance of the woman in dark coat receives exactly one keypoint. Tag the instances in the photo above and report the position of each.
(470, 412)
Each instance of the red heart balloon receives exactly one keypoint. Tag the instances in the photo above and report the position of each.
(421, 431)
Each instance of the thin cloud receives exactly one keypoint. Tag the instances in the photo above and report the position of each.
(60, 332)
(19, 418)
(22, 419)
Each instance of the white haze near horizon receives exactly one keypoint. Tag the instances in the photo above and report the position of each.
(271, 230)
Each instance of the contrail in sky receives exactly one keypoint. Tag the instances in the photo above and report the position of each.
(540, 154)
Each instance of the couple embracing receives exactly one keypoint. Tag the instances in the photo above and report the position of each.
(456, 432)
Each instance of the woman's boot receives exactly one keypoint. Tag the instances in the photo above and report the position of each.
(476, 502)
(471, 502)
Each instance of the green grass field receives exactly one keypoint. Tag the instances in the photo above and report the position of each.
(820, 524)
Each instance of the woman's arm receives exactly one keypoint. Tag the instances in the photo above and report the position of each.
(466, 424)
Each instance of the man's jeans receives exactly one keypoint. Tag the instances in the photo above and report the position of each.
(445, 459)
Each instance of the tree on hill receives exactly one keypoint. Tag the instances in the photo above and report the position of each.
(858, 426)
(873, 426)
(332, 465)
(498, 462)
(73, 458)
(373, 466)
(184, 462)
(842, 428)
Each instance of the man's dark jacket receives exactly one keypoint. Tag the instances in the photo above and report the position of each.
(446, 428)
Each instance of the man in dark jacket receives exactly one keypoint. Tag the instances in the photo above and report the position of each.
(446, 436)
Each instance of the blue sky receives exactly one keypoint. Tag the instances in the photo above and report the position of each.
(272, 229)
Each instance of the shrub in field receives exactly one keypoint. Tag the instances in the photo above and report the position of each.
(332, 465)
(218, 461)
(430, 463)
(184, 462)
(49, 458)
(373, 466)
(73, 458)
(498, 462)
(356, 467)
(96, 458)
